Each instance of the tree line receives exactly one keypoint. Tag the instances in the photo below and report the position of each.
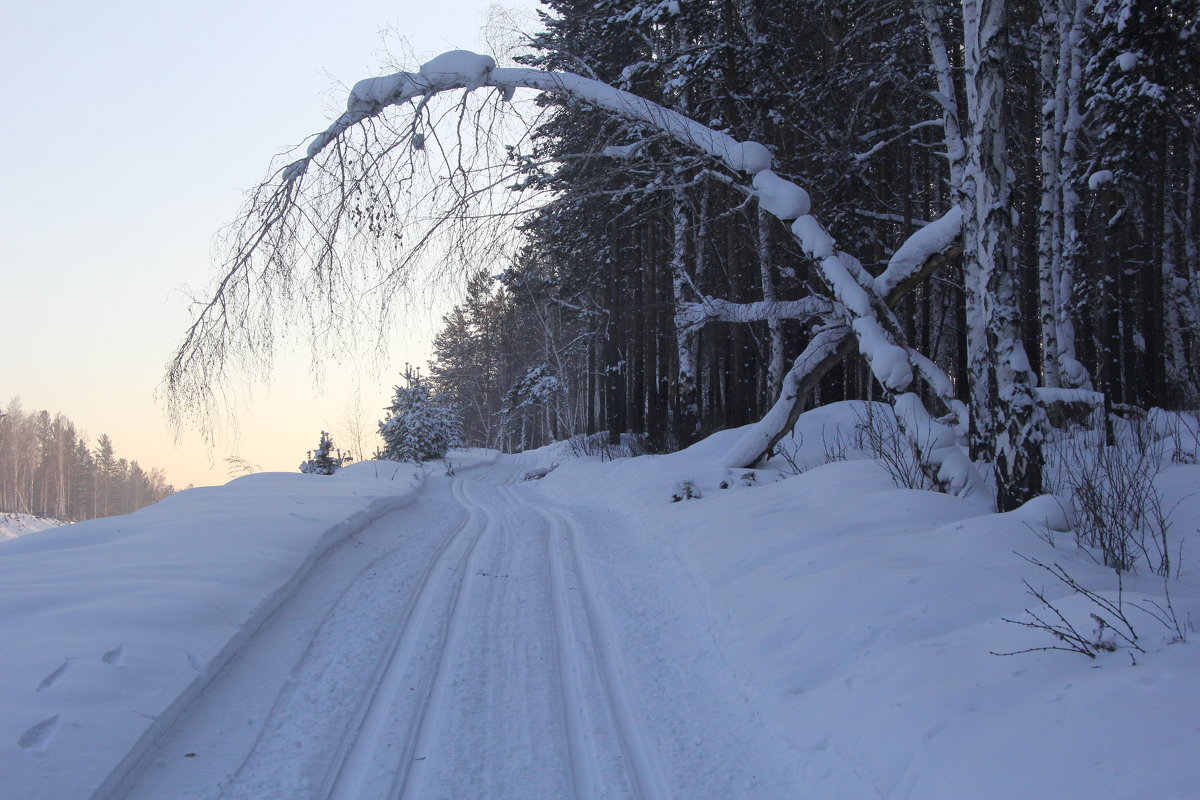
(48, 469)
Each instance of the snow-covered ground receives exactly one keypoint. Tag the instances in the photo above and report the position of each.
(109, 628)
(14, 525)
(866, 618)
(585, 635)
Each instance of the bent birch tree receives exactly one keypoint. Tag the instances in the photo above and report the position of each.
(856, 310)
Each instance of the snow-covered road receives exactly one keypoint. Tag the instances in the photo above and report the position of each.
(483, 642)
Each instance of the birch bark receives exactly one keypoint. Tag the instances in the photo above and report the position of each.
(1007, 423)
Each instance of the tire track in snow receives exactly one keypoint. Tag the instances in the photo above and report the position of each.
(427, 723)
(230, 749)
(599, 631)
(351, 774)
(584, 756)
(312, 644)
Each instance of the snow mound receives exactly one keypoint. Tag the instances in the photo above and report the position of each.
(750, 157)
(1099, 178)
(14, 525)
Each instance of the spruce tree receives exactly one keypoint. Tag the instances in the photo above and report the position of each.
(419, 427)
(324, 460)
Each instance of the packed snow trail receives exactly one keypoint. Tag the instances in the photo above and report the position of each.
(467, 646)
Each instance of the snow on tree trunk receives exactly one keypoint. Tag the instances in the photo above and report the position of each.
(687, 397)
(1049, 217)
(828, 346)
(1007, 423)
(935, 37)
(774, 326)
(921, 255)
(1068, 121)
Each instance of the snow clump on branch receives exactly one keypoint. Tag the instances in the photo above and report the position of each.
(779, 196)
(458, 68)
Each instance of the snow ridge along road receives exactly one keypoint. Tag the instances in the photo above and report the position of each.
(459, 648)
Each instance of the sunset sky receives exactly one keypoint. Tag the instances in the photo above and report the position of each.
(134, 128)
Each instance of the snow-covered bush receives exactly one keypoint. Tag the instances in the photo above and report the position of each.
(876, 435)
(325, 460)
(419, 426)
(539, 473)
(1118, 509)
(687, 491)
(597, 444)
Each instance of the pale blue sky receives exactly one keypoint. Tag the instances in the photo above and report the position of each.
(132, 130)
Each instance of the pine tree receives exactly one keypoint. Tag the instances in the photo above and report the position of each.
(325, 460)
(419, 427)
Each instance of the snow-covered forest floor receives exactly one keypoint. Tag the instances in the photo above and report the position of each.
(381, 633)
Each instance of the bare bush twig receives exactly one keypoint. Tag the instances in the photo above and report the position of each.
(1071, 640)
(1118, 509)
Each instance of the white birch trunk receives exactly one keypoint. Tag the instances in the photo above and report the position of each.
(956, 151)
(1049, 218)
(1073, 374)
(1007, 423)
(774, 325)
(686, 336)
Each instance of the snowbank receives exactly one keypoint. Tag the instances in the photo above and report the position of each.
(14, 525)
(109, 627)
(866, 617)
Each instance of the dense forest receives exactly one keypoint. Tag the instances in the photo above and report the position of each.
(48, 469)
(986, 214)
(579, 333)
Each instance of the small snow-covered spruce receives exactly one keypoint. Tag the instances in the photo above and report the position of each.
(420, 426)
(325, 460)
(687, 491)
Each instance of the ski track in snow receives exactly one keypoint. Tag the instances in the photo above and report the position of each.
(462, 647)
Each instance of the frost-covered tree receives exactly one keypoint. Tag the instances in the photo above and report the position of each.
(325, 460)
(419, 427)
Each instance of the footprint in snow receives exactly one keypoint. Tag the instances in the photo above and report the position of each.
(38, 737)
(54, 677)
(115, 657)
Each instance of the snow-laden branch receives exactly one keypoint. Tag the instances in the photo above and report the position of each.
(921, 255)
(460, 69)
(933, 238)
(875, 148)
(827, 347)
(879, 334)
(693, 316)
